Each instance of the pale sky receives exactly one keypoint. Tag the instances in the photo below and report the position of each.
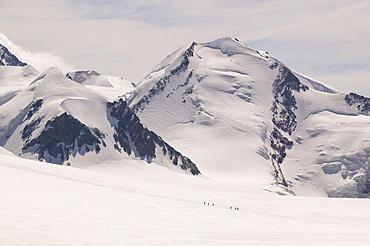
(324, 39)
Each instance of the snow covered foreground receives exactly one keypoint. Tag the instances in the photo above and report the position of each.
(59, 205)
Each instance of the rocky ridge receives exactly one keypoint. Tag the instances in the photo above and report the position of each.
(8, 59)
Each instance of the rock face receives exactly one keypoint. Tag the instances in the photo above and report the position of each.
(82, 76)
(8, 59)
(284, 117)
(362, 103)
(285, 104)
(63, 136)
(132, 137)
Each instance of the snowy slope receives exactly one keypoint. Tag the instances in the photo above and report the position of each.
(59, 205)
(247, 120)
(111, 86)
(202, 103)
(331, 149)
(13, 79)
(15, 75)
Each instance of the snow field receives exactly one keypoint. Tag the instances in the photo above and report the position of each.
(59, 205)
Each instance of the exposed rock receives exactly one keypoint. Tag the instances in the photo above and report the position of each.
(363, 103)
(279, 143)
(62, 137)
(34, 108)
(8, 59)
(283, 116)
(284, 105)
(29, 129)
(132, 136)
(82, 76)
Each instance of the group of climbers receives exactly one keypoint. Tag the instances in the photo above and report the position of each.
(212, 204)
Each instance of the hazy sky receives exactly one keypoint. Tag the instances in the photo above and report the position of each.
(324, 39)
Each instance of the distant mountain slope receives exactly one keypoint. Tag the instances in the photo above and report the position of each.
(14, 75)
(13, 79)
(91, 77)
(110, 86)
(239, 112)
(60, 121)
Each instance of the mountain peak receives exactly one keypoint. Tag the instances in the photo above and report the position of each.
(226, 40)
(8, 59)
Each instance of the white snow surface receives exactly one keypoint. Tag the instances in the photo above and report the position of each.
(13, 79)
(45, 204)
(110, 86)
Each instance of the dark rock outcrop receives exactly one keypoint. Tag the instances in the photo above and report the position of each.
(283, 116)
(8, 59)
(362, 103)
(284, 105)
(82, 76)
(62, 137)
(132, 136)
(34, 108)
(279, 144)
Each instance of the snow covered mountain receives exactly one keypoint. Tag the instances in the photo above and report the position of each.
(249, 121)
(245, 119)
(57, 120)
(91, 77)
(13, 79)
(110, 86)
(14, 75)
